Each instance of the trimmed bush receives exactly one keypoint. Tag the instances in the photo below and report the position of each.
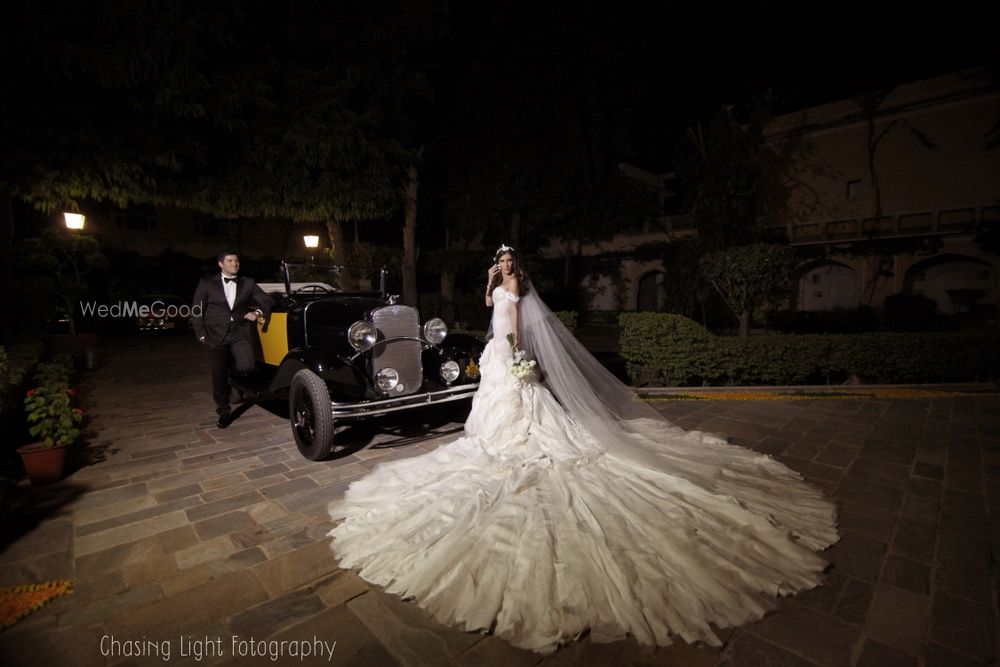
(568, 318)
(670, 350)
(666, 349)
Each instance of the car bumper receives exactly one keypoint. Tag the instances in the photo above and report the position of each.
(362, 409)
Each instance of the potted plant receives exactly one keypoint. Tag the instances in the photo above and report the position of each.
(53, 420)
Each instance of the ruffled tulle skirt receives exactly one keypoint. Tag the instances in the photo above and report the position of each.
(526, 528)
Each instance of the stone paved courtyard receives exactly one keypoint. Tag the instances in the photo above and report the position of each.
(174, 529)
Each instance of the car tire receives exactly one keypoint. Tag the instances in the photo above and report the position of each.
(310, 415)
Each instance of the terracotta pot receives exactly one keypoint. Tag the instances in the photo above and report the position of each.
(44, 465)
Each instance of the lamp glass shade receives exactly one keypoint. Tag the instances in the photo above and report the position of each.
(311, 240)
(74, 220)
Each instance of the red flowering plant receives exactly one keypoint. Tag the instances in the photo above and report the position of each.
(49, 406)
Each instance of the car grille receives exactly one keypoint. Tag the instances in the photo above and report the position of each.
(403, 355)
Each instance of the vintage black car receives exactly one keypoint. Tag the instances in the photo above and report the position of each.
(340, 356)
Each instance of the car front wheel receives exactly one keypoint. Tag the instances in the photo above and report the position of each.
(311, 415)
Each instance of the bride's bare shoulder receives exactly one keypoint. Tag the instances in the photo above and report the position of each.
(512, 288)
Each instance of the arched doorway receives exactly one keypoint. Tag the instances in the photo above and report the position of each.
(650, 292)
(828, 286)
(936, 276)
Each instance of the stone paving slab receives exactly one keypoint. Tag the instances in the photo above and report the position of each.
(176, 531)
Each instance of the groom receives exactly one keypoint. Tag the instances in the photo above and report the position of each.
(224, 310)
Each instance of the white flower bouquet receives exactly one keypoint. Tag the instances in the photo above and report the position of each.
(522, 369)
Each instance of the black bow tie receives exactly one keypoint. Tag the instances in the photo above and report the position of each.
(229, 280)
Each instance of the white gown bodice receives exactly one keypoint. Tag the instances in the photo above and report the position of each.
(504, 305)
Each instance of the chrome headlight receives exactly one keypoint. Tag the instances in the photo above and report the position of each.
(362, 335)
(435, 330)
(387, 379)
(450, 371)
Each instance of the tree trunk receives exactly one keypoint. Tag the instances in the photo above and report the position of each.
(567, 263)
(744, 324)
(7, 262)
(410, 238)
(515, 230)
(448, 296)
(335, 231)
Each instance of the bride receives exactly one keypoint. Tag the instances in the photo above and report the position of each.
(570, 504)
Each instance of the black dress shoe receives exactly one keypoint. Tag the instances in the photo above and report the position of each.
(224, 421)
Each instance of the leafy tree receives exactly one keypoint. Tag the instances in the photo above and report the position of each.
(236, 109)
(879, 262)
(67, 258)
(108, 100)
(749, 276)
(733, 179)
(449, 264)
(686, 290)
(543, 118)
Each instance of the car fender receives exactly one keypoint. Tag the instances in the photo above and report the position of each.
(461, 348)
(462, 345)
(340, 374)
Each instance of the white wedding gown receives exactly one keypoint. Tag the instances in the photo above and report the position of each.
(527, 527)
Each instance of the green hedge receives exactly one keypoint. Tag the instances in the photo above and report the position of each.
(568, 318)
(671, 350)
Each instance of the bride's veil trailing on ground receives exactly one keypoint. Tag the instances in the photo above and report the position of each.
(627, 427)
(621, 421)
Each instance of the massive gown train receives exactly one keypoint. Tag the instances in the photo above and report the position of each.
(529, 526)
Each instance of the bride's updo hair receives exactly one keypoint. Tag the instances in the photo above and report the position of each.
(522, 278)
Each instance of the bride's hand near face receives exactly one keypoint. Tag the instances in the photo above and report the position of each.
(490, 275)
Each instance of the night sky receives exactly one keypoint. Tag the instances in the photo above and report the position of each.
(688, 61)
(651, 67)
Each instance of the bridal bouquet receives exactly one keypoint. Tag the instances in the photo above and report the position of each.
(522, 369)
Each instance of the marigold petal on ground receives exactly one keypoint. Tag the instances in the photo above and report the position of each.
(16, 602)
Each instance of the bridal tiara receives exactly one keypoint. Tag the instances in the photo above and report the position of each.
(504, 248)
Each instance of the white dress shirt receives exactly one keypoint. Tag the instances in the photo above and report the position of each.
(230, 289)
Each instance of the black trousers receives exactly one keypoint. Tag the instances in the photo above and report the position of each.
(239, 347)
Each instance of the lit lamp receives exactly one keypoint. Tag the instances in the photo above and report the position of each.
(312, 242)
(74, 220)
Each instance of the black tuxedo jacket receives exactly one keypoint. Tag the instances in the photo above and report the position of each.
(210, 314)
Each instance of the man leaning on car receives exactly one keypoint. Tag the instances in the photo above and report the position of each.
(224, 310)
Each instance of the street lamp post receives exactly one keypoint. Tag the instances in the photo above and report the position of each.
(312, 242)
